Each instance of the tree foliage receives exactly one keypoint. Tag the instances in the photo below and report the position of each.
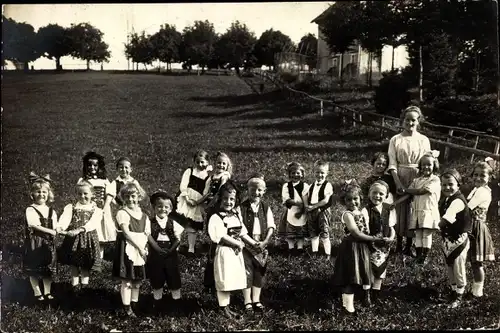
(198, 43)
(271, 42)
(235, 45)
(87, 43)
(140, 48)
(308, 46)
(165, 44)
(54, 42)
(19, 42)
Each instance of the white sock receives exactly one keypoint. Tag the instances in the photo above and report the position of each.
(256, 294)
(134, 294)
(349, 302)
(477, 288)
(75, 280)
(300, 244)
(125, 292)
(315, 244)
(366, 287)
(460, 290)
(47, 284)
(176, 294)
(158, 294)
(101, 252)
(191, 241)
(454, 287)
(291, 243)
(223, 298)
(377, 283)
(35, 285)
(327, 245)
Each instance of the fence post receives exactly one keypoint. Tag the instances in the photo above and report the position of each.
(321, 108)
(447, 149)
(497, 148)
(382, 130)
(475, 146)
(360, 117)
(353, 119)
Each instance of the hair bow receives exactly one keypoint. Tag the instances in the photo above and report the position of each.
(434, 153)
(347, 183)
(34, 177)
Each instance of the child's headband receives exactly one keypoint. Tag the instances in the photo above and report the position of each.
(433, 153)
(349, 183)
(453, 173)
(33, 177)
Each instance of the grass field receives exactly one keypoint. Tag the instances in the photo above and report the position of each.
(50, 121)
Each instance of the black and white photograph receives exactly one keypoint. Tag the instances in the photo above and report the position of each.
(250, 166)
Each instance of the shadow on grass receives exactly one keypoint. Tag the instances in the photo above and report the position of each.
(205, 115)
(305, 149)
(230, 101)
(304, 296)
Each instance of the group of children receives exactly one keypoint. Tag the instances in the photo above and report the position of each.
(240, 229)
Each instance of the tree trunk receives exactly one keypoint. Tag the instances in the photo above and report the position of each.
(370, 71)
(136, 66)
(26, 66)
(159, 66)
(341, 62)
(392, 60)
(102, 66)
(421, 75)
(476, 77)
(58, 64)
(368, 68)
(88, 64)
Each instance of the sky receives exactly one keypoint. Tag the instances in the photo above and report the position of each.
(116, 20)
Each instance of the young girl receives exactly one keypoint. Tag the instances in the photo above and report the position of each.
(380, 162)
(131, 245)
(405, 150)
(455, 224)
(426, 191)
(317, 205)
(113, 202)
(481, 248)
(259, 221)
(381, 221)
(162, 265)
(40, 253)
(222, 173)
(227, 231)
(352, 266)
(189, 201)
(80, 247)
(94, 171)
(293, 222)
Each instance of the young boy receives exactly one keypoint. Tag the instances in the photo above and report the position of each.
(455, 224)
(259, 221)
(317, 205)
(163, 261)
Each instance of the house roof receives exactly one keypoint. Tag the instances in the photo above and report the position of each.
(318, 19)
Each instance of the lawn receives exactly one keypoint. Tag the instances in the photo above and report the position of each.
(50, 121)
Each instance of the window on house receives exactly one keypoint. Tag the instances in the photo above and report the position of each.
(354, 59)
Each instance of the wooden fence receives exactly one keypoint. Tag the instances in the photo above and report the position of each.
(391, 125)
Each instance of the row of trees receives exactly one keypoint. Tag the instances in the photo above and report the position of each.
(200, 45)
(22, 44)
(451, 43)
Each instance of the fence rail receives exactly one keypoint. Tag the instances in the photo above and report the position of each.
(356, 117)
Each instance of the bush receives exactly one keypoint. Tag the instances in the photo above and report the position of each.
(308, 84)
(392, 94)
(289, 78)
(475, 113)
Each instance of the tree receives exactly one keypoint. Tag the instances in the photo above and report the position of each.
(166, 43)
(308, 46)
(234, 45)
(140, 49)
(19, 43)
(269, 44)
(198, 44)
(54, 42)
(341, 28)
(87, 43)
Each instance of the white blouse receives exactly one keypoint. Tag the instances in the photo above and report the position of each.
(123, 217)
(92, 224)
(33, 219)
(407, 150)
(479, 197)
(217, 230)
(315, 193)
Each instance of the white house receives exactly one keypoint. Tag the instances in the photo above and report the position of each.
(355, 61)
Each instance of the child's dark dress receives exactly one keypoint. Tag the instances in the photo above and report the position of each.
(83, 249)
(352, 266)
(123, 267)
(40, 259)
